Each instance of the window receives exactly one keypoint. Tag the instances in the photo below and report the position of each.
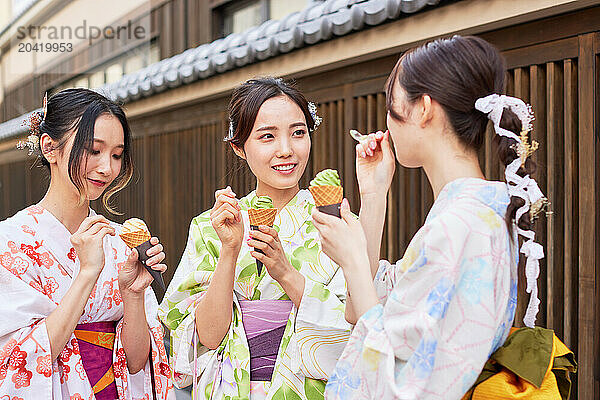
(129, 63)
(243, 15)
(238, 16)
(19, 6)
(97, 79)
(114, 72)
(280, 8)
(81, 83)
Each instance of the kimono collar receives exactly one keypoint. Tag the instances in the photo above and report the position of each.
(492, 194)
(55, 236)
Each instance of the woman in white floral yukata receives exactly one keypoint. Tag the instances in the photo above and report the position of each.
(426, 325)
(238, 333)
(77, 317)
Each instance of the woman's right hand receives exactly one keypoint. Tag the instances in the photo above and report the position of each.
(375, 164)
(226, 218)
(88, 243)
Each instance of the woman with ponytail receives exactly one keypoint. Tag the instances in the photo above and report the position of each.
(426, 325)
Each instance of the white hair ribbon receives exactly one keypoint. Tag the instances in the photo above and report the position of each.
(494, 105)
(523, 187)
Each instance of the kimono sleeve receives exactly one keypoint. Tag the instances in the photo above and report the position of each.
(432, 337)
(321, 328)
(186, 289)
(140, 383)
(25, 355)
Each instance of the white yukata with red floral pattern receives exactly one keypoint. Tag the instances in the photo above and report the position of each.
(38, 265)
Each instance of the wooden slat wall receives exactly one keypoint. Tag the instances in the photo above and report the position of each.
(178, 170)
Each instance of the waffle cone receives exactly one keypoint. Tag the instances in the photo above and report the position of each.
(325, 194)
(134, 239)
(263, 216)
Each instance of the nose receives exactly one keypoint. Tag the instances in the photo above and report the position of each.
(104, 166)
(285, 148)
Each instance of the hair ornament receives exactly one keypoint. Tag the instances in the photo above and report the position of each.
(312, 109)
(523, 148)
(523, 187)
(230, 132)
(33, 122)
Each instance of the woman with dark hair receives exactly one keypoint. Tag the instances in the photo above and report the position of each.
(238, 331)
(77, 316)
(426, 325)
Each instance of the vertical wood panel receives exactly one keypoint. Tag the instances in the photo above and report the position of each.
(554, 237)
(570, 227)
(537, 81)
(587, 215)
(521, 90)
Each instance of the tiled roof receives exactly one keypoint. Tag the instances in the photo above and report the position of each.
(318, 22)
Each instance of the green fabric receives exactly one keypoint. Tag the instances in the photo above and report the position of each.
(526, 353)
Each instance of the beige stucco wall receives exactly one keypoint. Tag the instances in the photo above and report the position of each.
(20, 65)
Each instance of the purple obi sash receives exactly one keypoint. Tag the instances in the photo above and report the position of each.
(264, 323)
(96, 341)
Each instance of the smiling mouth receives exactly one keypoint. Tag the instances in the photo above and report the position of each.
(96, 182)
(285, 169)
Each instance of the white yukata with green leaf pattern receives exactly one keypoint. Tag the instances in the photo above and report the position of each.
(315, 334)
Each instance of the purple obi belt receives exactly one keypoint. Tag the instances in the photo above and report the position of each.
(264, 323)
(96, 341)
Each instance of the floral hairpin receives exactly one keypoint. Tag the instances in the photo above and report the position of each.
(537, 207)
(523, 148)
(312, 109)
(33, 122)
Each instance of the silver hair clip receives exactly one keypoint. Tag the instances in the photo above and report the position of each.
(230, 132)
(312, 109)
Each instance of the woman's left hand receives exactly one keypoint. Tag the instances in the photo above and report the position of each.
(275, 261)
(133, 277)
(342, 239)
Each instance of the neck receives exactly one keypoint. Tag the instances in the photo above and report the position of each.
(449, 163)
(280, 197)
(65, 206)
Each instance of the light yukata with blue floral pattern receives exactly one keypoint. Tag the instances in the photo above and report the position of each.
(444, 307)
(315, 334)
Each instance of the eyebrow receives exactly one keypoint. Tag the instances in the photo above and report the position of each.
(274, 128)
(122, 146)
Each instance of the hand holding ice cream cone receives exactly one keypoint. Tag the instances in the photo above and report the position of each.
(327, 191)
(136, 236)
(261, 212)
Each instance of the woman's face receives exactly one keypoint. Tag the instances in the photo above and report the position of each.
(278, 147)
(103, 160)
(405, 133)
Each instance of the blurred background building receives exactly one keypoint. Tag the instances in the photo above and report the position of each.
(175, 76)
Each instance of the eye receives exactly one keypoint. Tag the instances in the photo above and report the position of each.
(117, 156)
(266, 136)
(299, 132)
(94, 152)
